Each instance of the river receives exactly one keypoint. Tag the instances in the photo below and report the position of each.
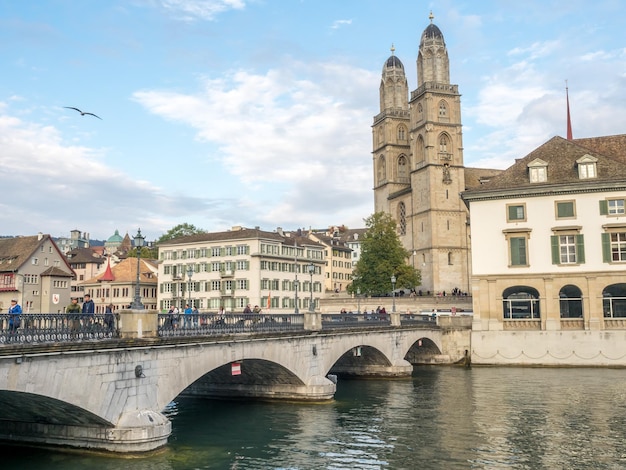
(441, 418)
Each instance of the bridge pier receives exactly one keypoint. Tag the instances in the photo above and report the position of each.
(403, 369)
(137, 431)
(317, 389)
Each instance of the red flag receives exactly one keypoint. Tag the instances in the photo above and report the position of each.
(269, 300)
(569, 121)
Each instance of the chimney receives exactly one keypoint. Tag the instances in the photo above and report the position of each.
(280, 231)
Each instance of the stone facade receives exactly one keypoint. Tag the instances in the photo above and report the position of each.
(418, 165)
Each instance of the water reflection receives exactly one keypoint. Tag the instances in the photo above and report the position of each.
(442, 418)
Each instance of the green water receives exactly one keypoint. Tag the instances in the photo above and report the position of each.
(442, 418)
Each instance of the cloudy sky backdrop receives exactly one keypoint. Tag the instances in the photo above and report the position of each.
(258, 112)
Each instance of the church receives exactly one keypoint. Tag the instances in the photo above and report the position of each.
(418, 166)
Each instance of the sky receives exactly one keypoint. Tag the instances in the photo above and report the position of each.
(220, 113)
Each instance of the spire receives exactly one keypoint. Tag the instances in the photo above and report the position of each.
(108, 274)
(569, 121)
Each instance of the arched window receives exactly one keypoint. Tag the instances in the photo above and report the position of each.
(402, 218)
(443, 109)
(571, 302)
(401, 132)
(403, 169)
(382, 173)
(449, 257)
(419, 149)
(614, 301)
(520, 302)
(443, 143)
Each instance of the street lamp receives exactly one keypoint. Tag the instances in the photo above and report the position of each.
(189, 274)
(311, 304)
(139, 239)
(358, 300)
(393, 293)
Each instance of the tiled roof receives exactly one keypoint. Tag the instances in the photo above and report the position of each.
(611, 145)
(474, 177)
(56, 272)
(126, 272)
(561, 156)
(17, 250)
(84, 255)
(229, 235)
(348, 235)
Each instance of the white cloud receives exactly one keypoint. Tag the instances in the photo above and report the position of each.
(300, 137)
(189, 10)
(339, 23)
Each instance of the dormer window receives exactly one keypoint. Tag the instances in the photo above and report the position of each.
(587, 167)
(538, 171)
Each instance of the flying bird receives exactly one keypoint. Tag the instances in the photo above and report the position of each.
(82, 113)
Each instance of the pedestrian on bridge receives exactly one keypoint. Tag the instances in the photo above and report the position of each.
(73, 312)
(15, 310)
(88, 310)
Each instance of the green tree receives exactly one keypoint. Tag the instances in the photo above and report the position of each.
(146, 252)
(180, 230)
(382, 256)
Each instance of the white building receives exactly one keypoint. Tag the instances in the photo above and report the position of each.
(548, 244)
(239, 267)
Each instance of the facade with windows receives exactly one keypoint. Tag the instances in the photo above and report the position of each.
(34, 271)
(277, 271)
(338, 269)
(548, 243)
(417, 149)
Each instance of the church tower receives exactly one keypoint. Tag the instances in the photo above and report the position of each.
(418, 180)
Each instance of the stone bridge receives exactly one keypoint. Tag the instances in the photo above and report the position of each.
(108, 395)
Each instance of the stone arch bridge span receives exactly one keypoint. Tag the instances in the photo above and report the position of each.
(109, 395)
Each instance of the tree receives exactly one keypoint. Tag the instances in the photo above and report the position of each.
(180, 230)
(146, 252)
(382, 256)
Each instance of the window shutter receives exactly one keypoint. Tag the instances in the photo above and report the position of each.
(554, 243)
(604, 207)
(515, 259)
(565, 209)
(606, 247)
(512, 212)
(580, 248)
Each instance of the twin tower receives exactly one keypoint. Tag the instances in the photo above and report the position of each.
(418, 165)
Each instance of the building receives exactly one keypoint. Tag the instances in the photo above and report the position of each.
(418, 165)
(86, 263)
(34, 271)
(548, 243)
(77, 240)
(116, 285)
(338, 269)
(352, 238)
(278, 271)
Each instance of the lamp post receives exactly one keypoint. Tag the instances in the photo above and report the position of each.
(139, 239)
(358, 300)
(311, 304)
(189, 274)
(393, 293)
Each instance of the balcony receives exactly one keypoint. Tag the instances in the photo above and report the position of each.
(227, 273)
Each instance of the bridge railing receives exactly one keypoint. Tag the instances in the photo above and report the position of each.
(348, 320)
(54, 327)
(230, 323)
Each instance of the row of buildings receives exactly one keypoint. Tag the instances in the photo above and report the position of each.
(278, 270)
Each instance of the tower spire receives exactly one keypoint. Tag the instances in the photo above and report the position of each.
(569, 121)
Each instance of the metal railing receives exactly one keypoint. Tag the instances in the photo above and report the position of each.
(212, 324)
(55, 327)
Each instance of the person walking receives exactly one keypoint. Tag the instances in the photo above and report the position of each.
(73, 313)
(188, 312)
(88, 311)
(15, 310)
(109, 318)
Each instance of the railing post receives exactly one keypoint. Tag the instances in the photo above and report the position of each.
(395, 318)
(313, 321)
(138, 324)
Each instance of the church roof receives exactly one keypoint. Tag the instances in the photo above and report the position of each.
(393, 61)
(432, 32)
(115, 238)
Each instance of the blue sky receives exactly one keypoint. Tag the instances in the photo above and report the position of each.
(258, 112)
